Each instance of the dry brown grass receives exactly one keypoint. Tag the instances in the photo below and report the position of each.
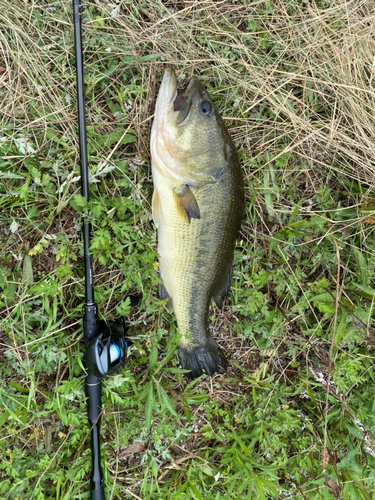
(313, 69)
(315, 73)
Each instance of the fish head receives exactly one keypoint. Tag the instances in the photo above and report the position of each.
(189, 141)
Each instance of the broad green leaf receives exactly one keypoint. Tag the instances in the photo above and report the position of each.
(323, 307)
(10, 175)
(165, 360)
(24, 188)
(367, 290)
(195, 491)
(4, 417)
(362, 265)
(323, 297)
(124, 308)
(153, 358)
(15, 385)
(39, 247)
(144, 393)
(78, 202)
(197, 400)
(149, 404)
(167, 402)
(27, 271)
(149, 57)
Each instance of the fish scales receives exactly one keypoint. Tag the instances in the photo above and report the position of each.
(196, 252)
(195, 258)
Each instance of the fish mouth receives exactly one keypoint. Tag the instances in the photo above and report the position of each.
(164, 152)
(182, 103)
(169, 99)
(164, 102)
(167, 93)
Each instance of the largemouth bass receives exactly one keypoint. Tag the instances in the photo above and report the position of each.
(197, 208)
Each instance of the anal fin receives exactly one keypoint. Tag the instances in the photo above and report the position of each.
(186, 203)
(163, 294)
(223, 291)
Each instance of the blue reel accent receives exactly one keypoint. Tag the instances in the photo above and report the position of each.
(115, 352)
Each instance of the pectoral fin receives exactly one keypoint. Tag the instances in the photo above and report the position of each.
(156, 209)
(186, 204)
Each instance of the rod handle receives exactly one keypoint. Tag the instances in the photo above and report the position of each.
(94, 403)
(94, 398)
(97, 494)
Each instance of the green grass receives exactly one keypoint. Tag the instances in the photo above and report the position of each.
(294, 416)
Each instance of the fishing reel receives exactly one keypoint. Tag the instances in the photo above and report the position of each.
(106, 351)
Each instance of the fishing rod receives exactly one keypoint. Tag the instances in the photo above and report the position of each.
(105, 341)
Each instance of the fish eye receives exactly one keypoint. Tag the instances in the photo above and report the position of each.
(205, 108)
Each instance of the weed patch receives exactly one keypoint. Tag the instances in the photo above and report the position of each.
(294, 415)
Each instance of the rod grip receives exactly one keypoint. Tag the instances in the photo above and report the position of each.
(94, 403)
(94, 397)
(97, 495)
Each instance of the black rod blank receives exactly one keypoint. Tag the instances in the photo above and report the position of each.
(90, 316)
(83, 148)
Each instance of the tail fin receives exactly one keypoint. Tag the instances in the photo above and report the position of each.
(208, 359)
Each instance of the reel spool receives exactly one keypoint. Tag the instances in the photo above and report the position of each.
(107, 350)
